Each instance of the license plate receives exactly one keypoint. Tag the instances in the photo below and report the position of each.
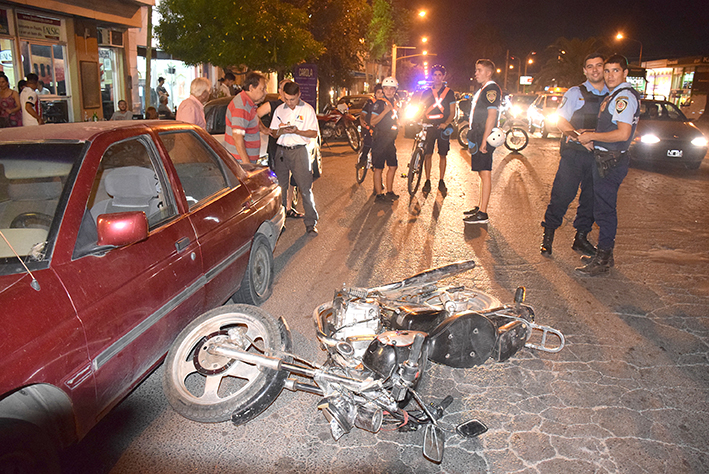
(674, 153)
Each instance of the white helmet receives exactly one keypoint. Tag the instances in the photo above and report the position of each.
(390, 82)
(496, 137)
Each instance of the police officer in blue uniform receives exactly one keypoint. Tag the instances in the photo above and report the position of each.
(385, 122)
(365, 117)
(578, 112)
(438, 109)
(617, 121)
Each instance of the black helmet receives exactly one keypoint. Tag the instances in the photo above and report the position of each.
(438, 67)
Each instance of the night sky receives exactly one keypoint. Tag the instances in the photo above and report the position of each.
(666, 29)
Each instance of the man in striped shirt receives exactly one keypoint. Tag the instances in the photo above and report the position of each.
(242, 132)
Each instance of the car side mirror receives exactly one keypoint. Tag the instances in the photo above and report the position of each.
(122, 228)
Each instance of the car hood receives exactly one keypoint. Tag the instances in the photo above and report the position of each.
(668, 130)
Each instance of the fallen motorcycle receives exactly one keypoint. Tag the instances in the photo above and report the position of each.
(233, 362)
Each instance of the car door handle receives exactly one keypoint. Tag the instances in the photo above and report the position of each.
(182, 244)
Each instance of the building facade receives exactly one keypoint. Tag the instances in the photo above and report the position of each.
(683, 81)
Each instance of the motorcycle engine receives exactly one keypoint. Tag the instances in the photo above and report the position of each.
(357, 321)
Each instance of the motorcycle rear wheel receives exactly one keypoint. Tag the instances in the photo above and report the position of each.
(516, 139)
(209, 388)
(415, 168)
(352, 137)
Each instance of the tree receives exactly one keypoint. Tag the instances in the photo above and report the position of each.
(262, 34)
(564, 67)
(390, 24)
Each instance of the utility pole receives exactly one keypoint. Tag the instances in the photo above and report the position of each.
(148, 57)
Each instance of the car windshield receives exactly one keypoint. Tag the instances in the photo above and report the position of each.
(665, 111)
(553, 101)
(353, 102)
(33, 178)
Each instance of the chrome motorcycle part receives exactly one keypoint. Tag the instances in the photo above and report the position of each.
(369, 417)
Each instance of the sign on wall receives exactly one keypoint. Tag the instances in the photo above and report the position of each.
(306, 75)
(39, 27)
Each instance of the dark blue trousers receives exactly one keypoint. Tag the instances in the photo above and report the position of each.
(605, 200)
(575, 169)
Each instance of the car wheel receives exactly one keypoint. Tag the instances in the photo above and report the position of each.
(210, 388)
(26, 449)
(543, 128)
(257, 284)
(532, 129)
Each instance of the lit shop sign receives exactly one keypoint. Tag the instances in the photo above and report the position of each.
(6, 57)
(39, 27)
(525, 80)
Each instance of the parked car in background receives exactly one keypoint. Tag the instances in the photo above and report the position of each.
(542, 113)
(115, 236)
(518, 104)
(665, 135)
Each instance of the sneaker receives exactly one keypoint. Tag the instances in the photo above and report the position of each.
(294, 214)
(479, 218)
(442, 186)
(426, 186)
(311, 230)
(381, 198)
(471, 212)
(391, 196)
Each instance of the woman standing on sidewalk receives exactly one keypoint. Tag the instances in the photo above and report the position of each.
(10, 110)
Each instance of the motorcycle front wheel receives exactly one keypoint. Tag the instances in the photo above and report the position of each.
(210, 388)
(415, 168)
(352, 137)
(516, 139)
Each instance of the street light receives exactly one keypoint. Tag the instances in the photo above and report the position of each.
(424, 39)
(620, 36)
(422, 13)
(394, 59)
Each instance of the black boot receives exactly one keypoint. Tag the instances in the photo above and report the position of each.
(599, 264)
(547, 240)
(587, 258)
(582, 244)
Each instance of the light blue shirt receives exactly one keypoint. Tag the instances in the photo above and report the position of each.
(573, 99)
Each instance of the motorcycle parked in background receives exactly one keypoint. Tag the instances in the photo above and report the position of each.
(232, 362)
(337, 122)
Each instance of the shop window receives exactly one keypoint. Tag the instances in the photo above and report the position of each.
(47, 61)
(7, 65)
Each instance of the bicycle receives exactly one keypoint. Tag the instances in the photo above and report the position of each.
(361, 171)
(417, 158)
(516, 137)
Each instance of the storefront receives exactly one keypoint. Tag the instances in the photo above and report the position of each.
(79, 50)
(684, 82)
(37, 43)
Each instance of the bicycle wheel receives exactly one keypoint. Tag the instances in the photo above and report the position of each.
(516, 139)
(361, 173)
(415, 168)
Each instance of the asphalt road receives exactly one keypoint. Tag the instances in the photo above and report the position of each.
(629, 393)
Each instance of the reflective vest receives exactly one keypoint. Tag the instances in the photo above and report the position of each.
(437, 111)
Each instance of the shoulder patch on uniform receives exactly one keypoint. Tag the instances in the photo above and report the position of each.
(491, 96)
(621, 103)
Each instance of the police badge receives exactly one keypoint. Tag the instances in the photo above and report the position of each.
(491, 96)
(621, 104)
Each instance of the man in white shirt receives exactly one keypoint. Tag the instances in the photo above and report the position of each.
(31, 110)
(294, 124)
(122, 113)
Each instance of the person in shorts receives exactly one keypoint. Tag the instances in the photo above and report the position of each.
(483, 117)
(385, 124)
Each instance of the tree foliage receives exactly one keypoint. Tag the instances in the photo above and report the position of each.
(390, 24)
(564, 68)
(261, 34)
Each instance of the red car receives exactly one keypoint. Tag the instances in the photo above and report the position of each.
(114, 236)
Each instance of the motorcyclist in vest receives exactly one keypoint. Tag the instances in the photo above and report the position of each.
(385, 124)
(364, 121)
(578, 112)
(610, 141)
(438, 109)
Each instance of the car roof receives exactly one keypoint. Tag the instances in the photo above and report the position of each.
(80, 131)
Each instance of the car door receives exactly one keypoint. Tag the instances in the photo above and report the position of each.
(134, 299)
(220, 211)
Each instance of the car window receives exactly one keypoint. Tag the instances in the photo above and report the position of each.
(201, 172)
(673, 113)
(35, 180)
(553, 101)
(216, 119)
(130, 178)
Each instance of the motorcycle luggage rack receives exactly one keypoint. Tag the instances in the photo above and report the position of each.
(543, 345)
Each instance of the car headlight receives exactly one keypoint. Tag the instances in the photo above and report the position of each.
(649, 138)
(700, 141)
(516, 110)
(552, 118)
(411, 111)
